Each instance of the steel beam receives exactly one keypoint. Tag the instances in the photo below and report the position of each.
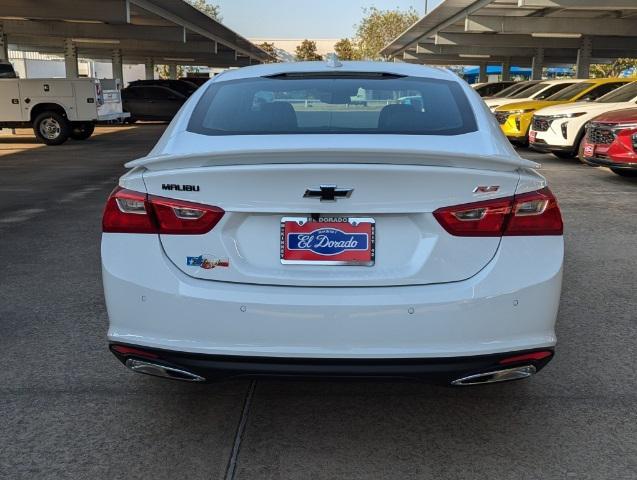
(473, 40)
(581, 4)
(447, 25)
(506, 70)
(165, 48)
(501, 50)
(149, 68)
(537, 64)
(70, 59)
(583, 64)
(172, 71)
(482, 75)
(118, 64)
(4, 45)
(551, 25)
(522, 41)
(96, 30)
(107, 11)
(165, 14)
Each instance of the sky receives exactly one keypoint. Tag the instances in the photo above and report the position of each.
(314, 19)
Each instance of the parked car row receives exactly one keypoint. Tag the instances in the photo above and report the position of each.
(593, 119)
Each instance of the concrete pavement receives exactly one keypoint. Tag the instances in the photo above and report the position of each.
(68, 409)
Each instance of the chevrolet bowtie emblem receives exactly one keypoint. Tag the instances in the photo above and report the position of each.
(328, 193)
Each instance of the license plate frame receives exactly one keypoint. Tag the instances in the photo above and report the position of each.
(353, 226)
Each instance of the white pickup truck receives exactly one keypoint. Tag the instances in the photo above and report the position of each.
(58, 108)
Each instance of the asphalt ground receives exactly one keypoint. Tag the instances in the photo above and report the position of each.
(70, 410)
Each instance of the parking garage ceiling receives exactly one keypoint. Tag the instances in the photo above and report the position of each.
(155, 31)
(557, 32)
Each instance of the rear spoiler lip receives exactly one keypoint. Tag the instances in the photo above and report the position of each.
(312, 155)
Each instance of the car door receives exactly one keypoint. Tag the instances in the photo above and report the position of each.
(164, 103)
(134, 102)
(10, 106)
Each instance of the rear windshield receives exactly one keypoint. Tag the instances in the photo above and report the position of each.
(313, 104)
(570, 92)
(527, 92)
(515, 89)
(623, 94)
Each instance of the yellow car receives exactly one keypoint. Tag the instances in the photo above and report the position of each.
(515, 118)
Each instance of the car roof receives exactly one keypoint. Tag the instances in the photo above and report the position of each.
(601, 81)
(564, 80)
(327, 67)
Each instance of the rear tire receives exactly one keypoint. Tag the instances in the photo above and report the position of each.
(624, 173)
(82, 130)
(51, 128)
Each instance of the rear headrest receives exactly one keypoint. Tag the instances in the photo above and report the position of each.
(398, 117)
(279, 116)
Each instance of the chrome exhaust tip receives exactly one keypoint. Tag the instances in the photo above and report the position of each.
(496, 376)
(158, 370)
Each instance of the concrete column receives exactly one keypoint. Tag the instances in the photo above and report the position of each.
(150, 69)
(483, 73)
(4, 45)
(506, 70)
(70, 59)
(172, 71)
(537, 64)
(583, 65)
(118, 65)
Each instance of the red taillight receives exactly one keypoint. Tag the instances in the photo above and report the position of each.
(527, 357)
(130, 351)
(127, 211)
(533, 213)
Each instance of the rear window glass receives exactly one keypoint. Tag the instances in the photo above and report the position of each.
(623, 94)
(333, 104)
(552, 91)
(570, 92)
(515, 89)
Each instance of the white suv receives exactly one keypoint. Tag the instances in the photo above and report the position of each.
(560, 129)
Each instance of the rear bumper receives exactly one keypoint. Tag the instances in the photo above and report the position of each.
(220, 367)
(604, 162)
(511, 305)
(107, 117)
(545, 147)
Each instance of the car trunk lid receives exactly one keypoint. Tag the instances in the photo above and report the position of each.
(399, 196)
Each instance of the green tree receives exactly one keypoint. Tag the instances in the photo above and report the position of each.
(269, 47)
(379, 27)
(212, 10)
(307, 51)
(346, 50)
(163, 71)
(613, 69)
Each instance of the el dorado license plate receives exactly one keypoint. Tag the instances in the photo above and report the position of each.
(327, 241)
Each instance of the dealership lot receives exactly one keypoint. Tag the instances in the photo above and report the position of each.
(70, 410)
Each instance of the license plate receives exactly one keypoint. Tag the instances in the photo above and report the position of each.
(532, 136)
(328, 241)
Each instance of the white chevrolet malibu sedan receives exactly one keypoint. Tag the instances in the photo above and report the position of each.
(346, 220)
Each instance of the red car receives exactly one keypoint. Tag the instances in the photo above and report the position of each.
(611, 141)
